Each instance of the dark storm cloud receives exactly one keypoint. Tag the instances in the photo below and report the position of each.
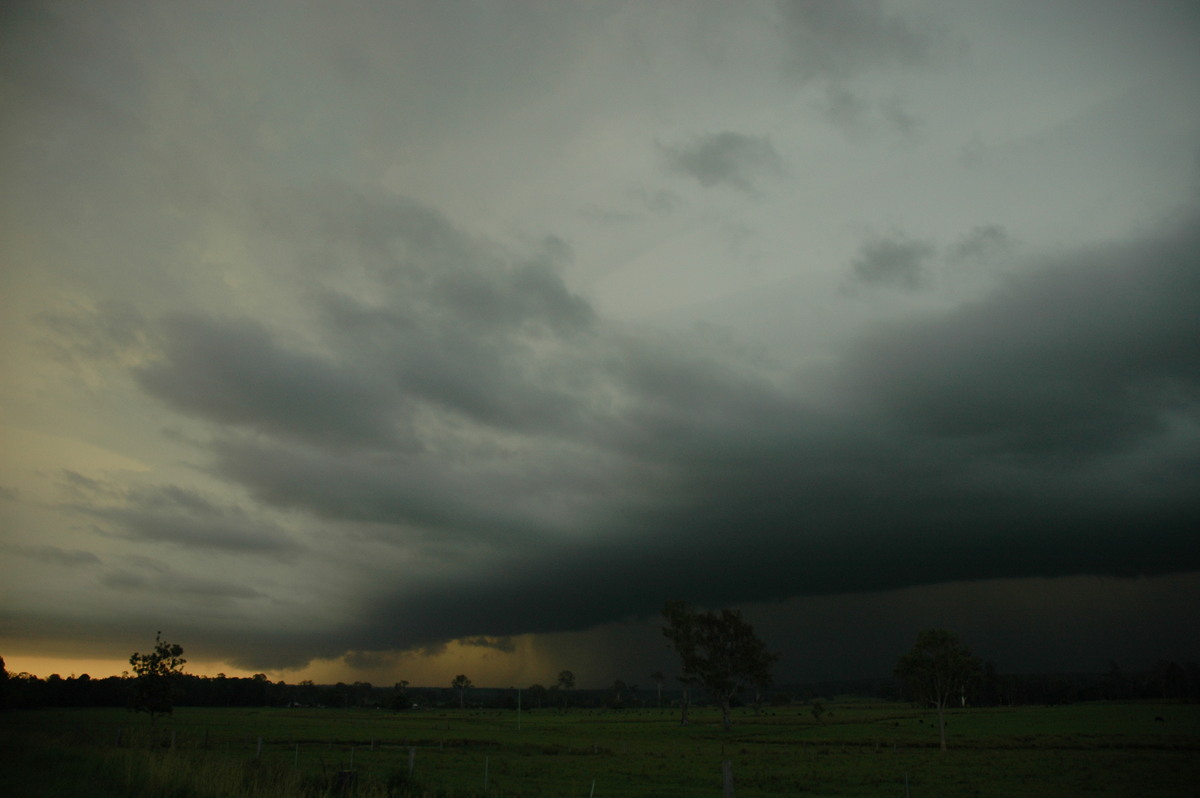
(234, 372)
(1050, 430)
(1096, 355)
(504, 644)
(147, 575)
(446, 321)
(728, 158)
(440, 502)
(181, 517)
(561, 472)
(893, 261)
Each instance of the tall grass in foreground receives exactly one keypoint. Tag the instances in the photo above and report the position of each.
(45, 767)
(856, 749)
(201, 774)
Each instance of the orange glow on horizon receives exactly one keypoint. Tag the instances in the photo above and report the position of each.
(42, 667)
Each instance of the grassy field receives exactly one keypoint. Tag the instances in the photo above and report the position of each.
(858, 749)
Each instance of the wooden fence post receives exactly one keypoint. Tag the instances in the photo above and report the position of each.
(727, 778)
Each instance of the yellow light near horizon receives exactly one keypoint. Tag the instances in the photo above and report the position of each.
(42, 667)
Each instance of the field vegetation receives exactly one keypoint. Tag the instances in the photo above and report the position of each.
(853, 748)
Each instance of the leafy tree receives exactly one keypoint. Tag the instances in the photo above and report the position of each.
(3, 685)
(399, 698)
(537, 693)
(155, 687)
(461, 683)
(566, 681)
(937, 670)
(719, 650)
(818, 709)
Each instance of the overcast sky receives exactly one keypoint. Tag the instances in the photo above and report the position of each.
(369, 341)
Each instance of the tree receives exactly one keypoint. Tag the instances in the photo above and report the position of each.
(461, 683)
(157, 673)
(659, 679)
(719, 650)
(399, 698)
(618, 688)
(937, 670)
(566, 681)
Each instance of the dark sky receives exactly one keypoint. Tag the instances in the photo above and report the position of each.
(401, 340)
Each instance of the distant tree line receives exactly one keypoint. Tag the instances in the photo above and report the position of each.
(1163, 681)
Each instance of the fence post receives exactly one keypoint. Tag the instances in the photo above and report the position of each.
(727, 777)
(412, 760)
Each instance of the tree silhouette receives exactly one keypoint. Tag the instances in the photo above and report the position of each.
(719, 650)
(618, 689)
(659, 678)
(461, 683)
(566, 681)
(938, 669)
(155, 687)
(399, 698)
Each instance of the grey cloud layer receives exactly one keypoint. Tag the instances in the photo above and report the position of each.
(727, 158)
(896, 262)
(374, 323)
(552, 464)
(179, 517)
(838, 40)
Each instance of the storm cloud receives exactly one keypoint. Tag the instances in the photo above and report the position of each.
(434, 336)
(1025, 434)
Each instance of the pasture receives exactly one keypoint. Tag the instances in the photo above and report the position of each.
(857, 749)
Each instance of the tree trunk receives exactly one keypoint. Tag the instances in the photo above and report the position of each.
(683, 711)
(941, 710)
(725, 721)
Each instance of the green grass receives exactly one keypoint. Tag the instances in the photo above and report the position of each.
(858, 748)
